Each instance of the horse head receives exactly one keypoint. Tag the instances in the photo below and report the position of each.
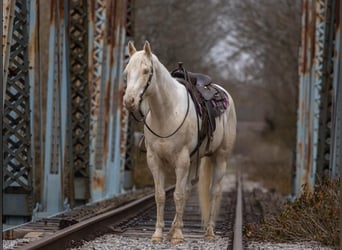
(139, 73)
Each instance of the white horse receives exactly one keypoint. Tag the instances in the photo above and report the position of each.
(170, 130)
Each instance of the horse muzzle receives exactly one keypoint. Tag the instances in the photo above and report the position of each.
(130, 103)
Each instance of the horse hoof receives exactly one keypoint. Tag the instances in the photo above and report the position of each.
(175, 241)
(209, 237)
(156, 239)
(170, 234)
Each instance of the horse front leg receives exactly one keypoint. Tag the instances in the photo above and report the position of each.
(180, 196)
(159, 181)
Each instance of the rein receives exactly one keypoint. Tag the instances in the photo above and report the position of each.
(143, 119)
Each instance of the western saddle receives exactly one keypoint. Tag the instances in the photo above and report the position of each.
(210, 101)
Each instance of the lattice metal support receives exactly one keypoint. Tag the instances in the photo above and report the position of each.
(17, 168)
(1, 115)
(97, 52)
(128, 168)
(324, 140)
(7, 27)
(106, 38)
(78, 73)
(336, 128)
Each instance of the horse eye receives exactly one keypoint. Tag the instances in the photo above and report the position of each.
(146, 71)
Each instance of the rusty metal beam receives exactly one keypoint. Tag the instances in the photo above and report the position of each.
(106, 43)
(17, 186)
(336, 128)
(316, 122)
(1, 115)
(305, 131)
(79, 178)
(96, 51)
(74, 121)
(7, 21)
(33, 78)
(323, 154)
(120, 42)
(128, 164)
(58, 115)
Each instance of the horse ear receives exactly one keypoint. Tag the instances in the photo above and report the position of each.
(131, 48)
(147, 48)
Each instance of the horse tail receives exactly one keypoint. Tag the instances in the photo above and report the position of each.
(205, 176)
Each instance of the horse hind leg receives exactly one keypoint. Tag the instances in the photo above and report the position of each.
(218, 172)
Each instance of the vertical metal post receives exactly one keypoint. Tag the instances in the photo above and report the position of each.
(338, 84)
(308, 107)
(124, 113)
(106, 39)
(323, 153)
(110, 125)
(336, 117)
(1, 115)
(80, 101)
(7, 25)
(120, 117)
(58, 116)
(128, 171)
(318, 119)
(33, 77)
(115, 141)
(97, 17)
(339, 98)
(18, 193)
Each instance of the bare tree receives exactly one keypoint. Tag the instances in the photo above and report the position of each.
(269, 33)
(253, 44)
(180, 30)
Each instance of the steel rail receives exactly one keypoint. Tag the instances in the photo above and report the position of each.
(237, 239)
(91, 228)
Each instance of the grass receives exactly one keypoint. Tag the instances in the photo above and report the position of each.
(311, 217)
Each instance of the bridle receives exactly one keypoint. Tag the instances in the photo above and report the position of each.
(143, 119)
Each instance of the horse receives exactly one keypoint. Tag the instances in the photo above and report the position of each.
(170, 128)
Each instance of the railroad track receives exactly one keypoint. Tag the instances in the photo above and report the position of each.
(137, 220)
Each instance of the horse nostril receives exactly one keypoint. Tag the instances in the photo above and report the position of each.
(129, 101)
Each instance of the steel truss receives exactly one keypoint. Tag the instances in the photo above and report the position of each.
(65, 132)
(17, 162)
(318, 129)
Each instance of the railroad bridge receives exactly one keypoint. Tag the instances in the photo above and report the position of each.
(67, 139)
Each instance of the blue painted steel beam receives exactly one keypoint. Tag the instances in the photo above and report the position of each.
(317, 126)
(96, 52)
(106, 44)
(57, 115)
